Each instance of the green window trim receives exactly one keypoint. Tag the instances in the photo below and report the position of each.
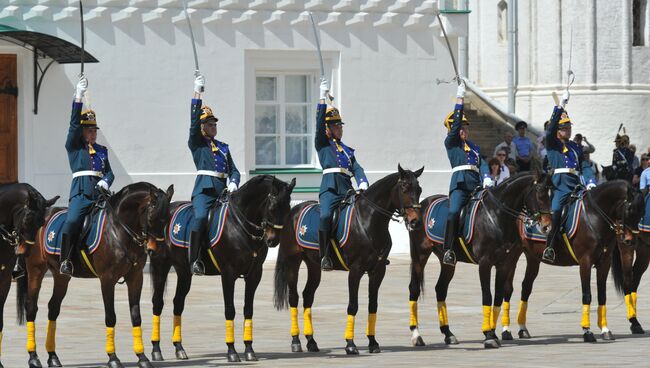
(306, 189)
(284, 171)
(454, 11)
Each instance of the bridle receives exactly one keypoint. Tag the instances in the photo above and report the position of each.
(530, 216)
(244, 222)
(12, 237)
(397, 215)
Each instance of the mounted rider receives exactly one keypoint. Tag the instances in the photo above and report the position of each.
(623, 158)
(90, 172)
(468, 170)
(216, 171)
(566, 160)
(339, 165)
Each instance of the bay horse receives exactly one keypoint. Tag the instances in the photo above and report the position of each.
(22, 213)
(494, 244)
(135, 220)
(609, 212)
(368, 245)
(255, 215)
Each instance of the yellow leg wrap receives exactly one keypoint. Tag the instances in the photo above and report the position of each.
(309, 328)
(31, 337)
(248, 330)
(230, 331)
(295, 328)
(602, 316)
(155, 328)
(50, 339)
(413, 307)
(177, 336)
(372, 322)
(442, 314)
(629, 303)
(494, 317)
(634, 302)
(487, 318)
(349, 328)
(138, 346)
(585, 316)
(505, 318)
(521, 314)
(110, 340)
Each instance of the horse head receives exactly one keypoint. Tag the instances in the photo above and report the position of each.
(278, 206)
(156, 215)
(406, 196)
(538, 205)
(634, 209)
(29, 216)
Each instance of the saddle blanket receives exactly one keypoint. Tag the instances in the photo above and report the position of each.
(180, 226)
(644, 225)
(309, 219)
(570, 225)
(51, 234)
(436, 219)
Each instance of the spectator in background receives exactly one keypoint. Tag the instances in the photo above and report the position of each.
(635, 158)
(644, 164)
(508, 146)
(580, 139)
(594, 167)
(644, 181)
(504, 173)
(622, 158)
(541, 148)
(525, 148)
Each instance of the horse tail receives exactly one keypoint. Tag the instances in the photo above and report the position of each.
(617, 269)
(21, 294)
(281, 292)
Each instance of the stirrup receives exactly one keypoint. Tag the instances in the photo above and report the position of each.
(549, 255)
(326, 264)
(66, 268)
(198, 269)
(17, 272)
(449, 258)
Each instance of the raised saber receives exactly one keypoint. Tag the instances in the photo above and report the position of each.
(451, 54)
(196, 57)
(83, 37)
(320, 54)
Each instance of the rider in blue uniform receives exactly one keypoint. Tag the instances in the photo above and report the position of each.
(90, 171)
(216, 171)
(565, 159)
(467, 170)
(339, 165)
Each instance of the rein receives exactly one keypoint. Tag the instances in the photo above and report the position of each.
(10, 237)
(140, 239)
(242, 220)
(398, 214)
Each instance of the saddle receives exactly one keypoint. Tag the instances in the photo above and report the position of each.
(179, 228)
(348, 200)
(89, 238)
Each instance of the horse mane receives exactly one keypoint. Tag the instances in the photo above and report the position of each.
(511, 180)
(126, 190)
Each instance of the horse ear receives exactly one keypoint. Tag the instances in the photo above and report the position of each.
(170, 192)
(400, 170)
(51, 202)
(292, 184)
(419, 172)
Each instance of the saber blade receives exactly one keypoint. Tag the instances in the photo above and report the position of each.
(189, 25)
(451, 53)
(83, 37)
(320, 55)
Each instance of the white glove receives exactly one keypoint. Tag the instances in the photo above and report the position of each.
(232, 187)
(102, 184)
(488, 182)
(565, 97)
(324, 89)
(590, 186)
(82, 87)
(199, 83)
(460, 91)
(363, 186)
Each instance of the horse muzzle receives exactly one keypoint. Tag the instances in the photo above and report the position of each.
(412, 219)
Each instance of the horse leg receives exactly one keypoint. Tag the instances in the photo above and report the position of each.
(252, 281)
(640, 266)
(34, 280)
(183, 285)
(5, 285)
(442, 286)
(313, 281)
(158, 273)
(228, 286)
(500, 281)
(354, 277)
(53, 310)
(507, 295)
(485, 271)
(585, 280)
(532, 269)
(134, 286)
(376, 276)
(418, 262)
(602, 269)
(108, 295)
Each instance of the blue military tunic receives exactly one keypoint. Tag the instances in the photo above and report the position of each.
(565, 155)
(211, 155)
(333, 154)
(462, 152)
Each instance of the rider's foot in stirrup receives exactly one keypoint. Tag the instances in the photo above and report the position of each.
(326, 264)
(449, 258)
(549, 255)
(17, 272)
(66, 268)
(197, 268)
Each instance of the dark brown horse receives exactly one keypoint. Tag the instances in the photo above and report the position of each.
(22, 213)
(135, 220)
(494, 244)
(255, 215)
(368, 245)
(609, 212)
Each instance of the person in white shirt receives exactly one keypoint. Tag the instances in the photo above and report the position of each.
(507, 145)
(504, 173)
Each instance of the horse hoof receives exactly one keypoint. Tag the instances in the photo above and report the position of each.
(145, 364)
(608, 336)
(233, 357)
(157, 356)
(115, 363)
(419, 341)
(588, 336)
(637, 330)
(506, 335)
(491, 344)
(53, 361)
(312, 346)
(351, 348)
(374, 349)
(34, 362)
(296, 348)
(451, 340)
(524, 334)
(1, 366)
(180, 351)
(250, 356)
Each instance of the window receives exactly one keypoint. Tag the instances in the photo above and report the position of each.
(639, 19)
(284, 119)
(502, 21)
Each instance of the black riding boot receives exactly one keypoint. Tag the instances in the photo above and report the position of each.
(449, 258)
(18, 270)
(66, 250)
(556, 224)
(198, 269)
(324, 247)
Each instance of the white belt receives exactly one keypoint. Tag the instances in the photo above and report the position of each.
(565, 170)
(77, 174)
(465, 167)
(337, 170)
(216, 174)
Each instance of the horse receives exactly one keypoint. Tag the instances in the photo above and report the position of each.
(134, 224)
(255, 216)
(493, 244)
(22, 214)
(609, 211)
(369, 243)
